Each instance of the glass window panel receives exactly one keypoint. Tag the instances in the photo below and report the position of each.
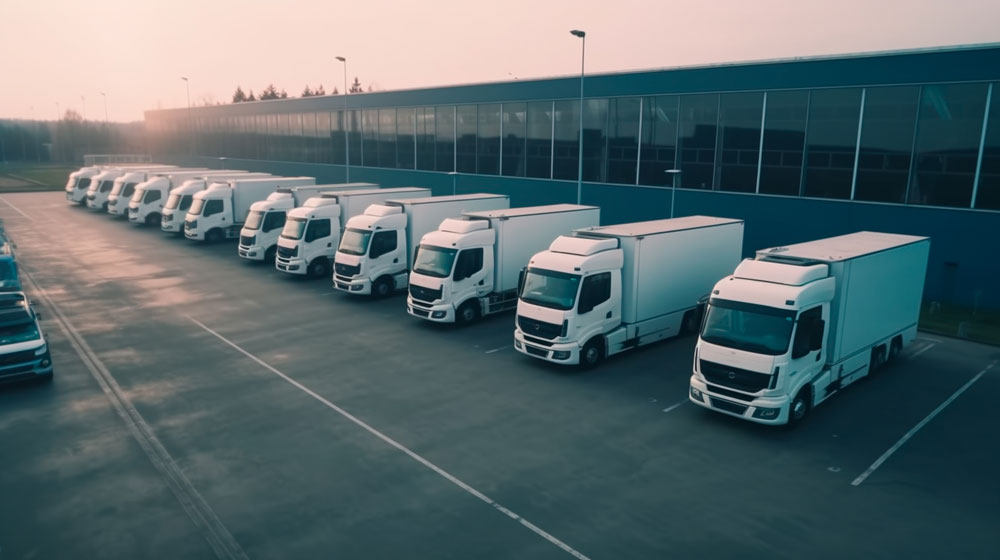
(369, 145)
(567, 130)
(739, 139)
(515, 122)
(387, 137)
(831, 142)
(988, 194)
(273, 137)
(488, 140)
(405, 130)
(295, 137)
(886, 143)
(659, 139)
(465, 144)
(425, 138)
(623, 140)
(538, 145)
(947, 146)
(784, 142)
(444, 132)
(355, 136)
(337, 138)
(595, 143)
(310, 149)
(699, 115)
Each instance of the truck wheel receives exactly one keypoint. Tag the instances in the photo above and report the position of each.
(271, 252)
(467, 313)
(382, 287)
(319, 267)
(689, 325)
(895, 347)
(213, 236)
(799, 407)
(877, 360)
(592, 353)
(152, 219)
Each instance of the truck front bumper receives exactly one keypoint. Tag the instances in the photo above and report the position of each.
(169, 226)
(567, 353)
(194, 235)
(136, 218)
(763, 410)
(291, 266)
(39, 368)
(252, 252)
(439, 313)
(357, 286)
(94, 205)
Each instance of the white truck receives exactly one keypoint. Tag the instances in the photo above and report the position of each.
(796, 324)
(102, 183)
(470, 266)
(259, 236)
(311, 235)
(219, 211)
(376, 250)
(79, 183)
(145, 206)
(180, 198)
(605, 290)
(124, 187)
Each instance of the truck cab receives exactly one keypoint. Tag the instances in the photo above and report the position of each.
(79, 183)
(122, 190)
(24, 354)
(211, 211)
(309, 238)
(100, 187)
(373, 246)
(259, 236)
(452, 268)
(146, 203)
(177, 205)
(570, 296)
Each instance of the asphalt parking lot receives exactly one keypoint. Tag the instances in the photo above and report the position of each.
(204, 407)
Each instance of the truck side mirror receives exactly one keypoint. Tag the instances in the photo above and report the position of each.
(520, 280)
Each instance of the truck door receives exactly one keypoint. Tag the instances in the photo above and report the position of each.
(807, 348)
(384, 254)
(594, 306)
(468, 276)
(318, 241)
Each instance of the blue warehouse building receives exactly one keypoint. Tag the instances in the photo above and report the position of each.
(905, 142)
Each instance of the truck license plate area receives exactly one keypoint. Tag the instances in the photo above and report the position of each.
(536, 351)
(728, 406)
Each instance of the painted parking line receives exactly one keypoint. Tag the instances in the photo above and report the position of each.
(16, 209)
(922, 350)
(885, 456)
(201, 514)
(676, 405)
(409, 452)
(497, 349)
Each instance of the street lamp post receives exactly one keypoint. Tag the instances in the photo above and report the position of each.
(187, 89)
(347, 143)
(105, 96)
(83, 99)
(579, 170)
(675, 174)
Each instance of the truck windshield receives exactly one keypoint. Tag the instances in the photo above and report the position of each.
(749, 327)
(548, 288)
(294, 228)
(173, 201)
(355, 241)
(254, 220)
(137, 195)
(106, 186)
(434, 261)
(9, 281)
(196, 206)
(12, 334)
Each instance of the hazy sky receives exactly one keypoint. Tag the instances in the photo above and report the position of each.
(136, 50)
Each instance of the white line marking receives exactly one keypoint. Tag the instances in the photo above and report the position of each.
(885, 456)
(929, 339)
(497, 349)
(412, 454)
(16, 209)
(201, 514)
(673, 406)
(922, 350)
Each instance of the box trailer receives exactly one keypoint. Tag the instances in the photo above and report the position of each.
(219, 211)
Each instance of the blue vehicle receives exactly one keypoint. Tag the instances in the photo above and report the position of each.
(24, 354)
(10, 280)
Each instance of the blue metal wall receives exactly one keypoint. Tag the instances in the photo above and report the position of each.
(965, 247)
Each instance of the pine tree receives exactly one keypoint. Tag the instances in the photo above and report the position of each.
(356, 86)
(250, 96)
(270, 92)
(307, 92)
(239, 96)
(283, 95)
(320, 90)
(334, 92)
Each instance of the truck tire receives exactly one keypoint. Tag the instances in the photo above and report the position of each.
(895, 347)
(152, 219)
(877, 360)
(799, 407)
(382, 287)
(467, 313)
(213, 236)
(318, 267)
(691, 321)
(270, 253)
(592, 353)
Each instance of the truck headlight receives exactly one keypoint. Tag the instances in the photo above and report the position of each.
(697, 394)
(438, 315)
(41, 350)
(560, 355)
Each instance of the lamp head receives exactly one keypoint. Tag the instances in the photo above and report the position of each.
(578, 33)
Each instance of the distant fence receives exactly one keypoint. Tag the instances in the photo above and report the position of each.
(108, 159)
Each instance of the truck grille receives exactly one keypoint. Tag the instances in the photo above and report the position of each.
(91, 196)
(163, 218)
(17, 358)
(348, 270)
(247, 240)
(728, 406)
(734, 378)
(424, 294)
(190, 224)
(285, 252)
(539, 328)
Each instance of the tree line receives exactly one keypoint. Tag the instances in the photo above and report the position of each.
(67, 139)
(272, 92)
